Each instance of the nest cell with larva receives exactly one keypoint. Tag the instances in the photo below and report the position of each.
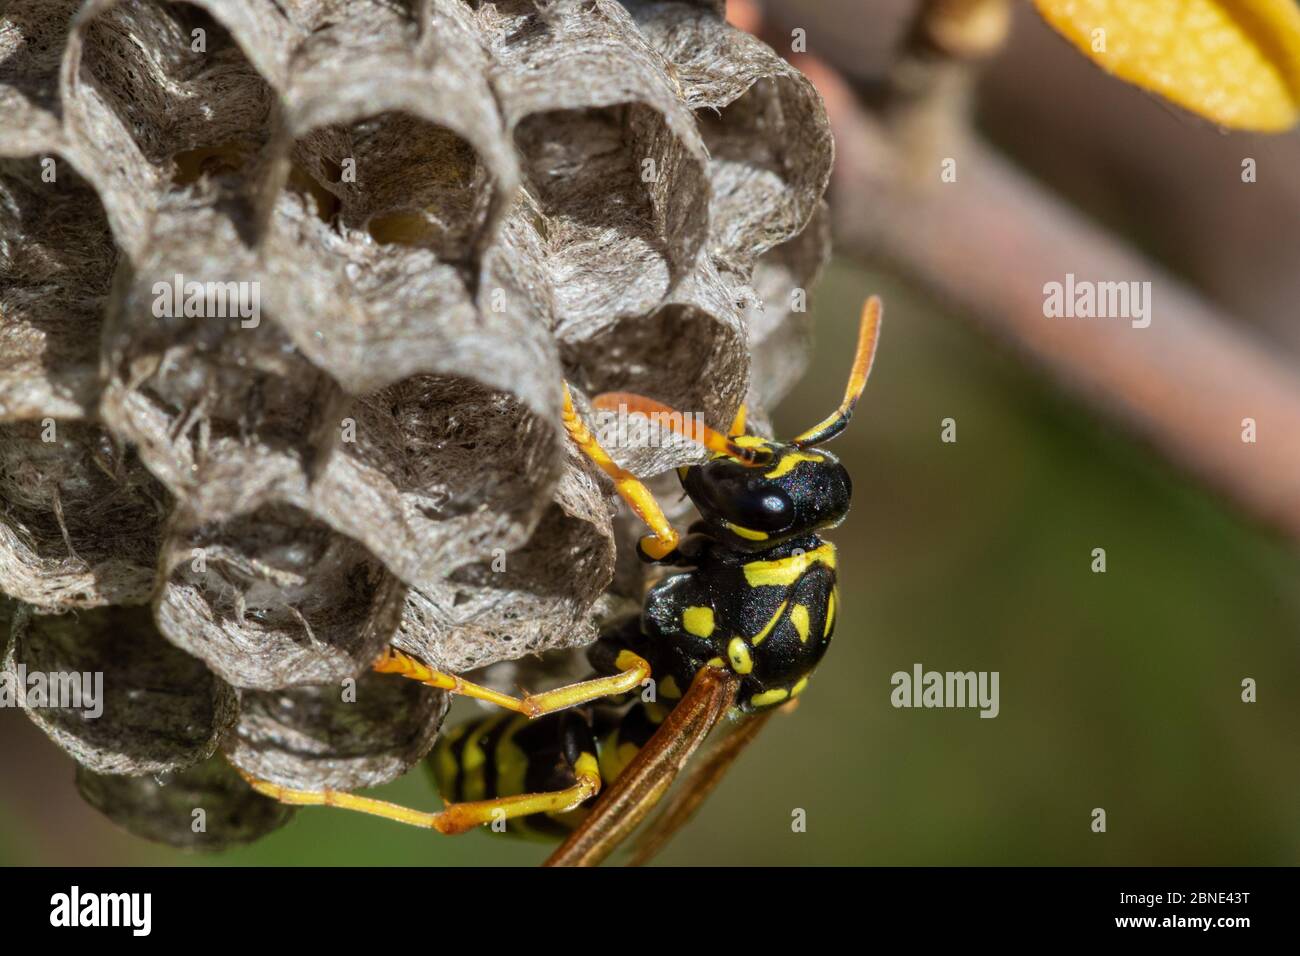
(446, 208)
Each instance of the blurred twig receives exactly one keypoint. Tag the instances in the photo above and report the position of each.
(989, 241)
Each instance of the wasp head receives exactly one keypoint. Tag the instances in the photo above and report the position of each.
(793, 493)
(756, 493)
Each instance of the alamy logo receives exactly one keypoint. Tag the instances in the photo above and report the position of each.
(922, 688)
(103, 909)
(1100, 300)
(69, 690)
(211, 300)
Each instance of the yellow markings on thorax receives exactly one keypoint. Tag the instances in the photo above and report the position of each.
(668, 687)
(786, 571)
(698, 621)
(761, 636)
(773, 696)
(797, 689)
(789, 461)
(831, 601)
(742, 662)
(799, 618)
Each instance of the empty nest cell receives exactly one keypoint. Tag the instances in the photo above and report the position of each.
(144, 707)
(524, 600)
(56, 265)
(205, 807)
(340, 737)
(80, 518)
(275, 599)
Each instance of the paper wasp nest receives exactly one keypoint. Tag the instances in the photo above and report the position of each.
(407, 222)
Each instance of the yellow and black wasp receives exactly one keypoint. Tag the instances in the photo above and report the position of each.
(739, 628)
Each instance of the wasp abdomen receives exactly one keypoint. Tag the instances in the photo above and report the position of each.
(508, 755)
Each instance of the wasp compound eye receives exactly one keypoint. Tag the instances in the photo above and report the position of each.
(764, 509)
(729, 492)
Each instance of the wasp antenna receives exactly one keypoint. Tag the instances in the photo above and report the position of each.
(868, 336)
(689, 425)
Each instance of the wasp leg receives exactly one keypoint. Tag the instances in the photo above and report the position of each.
(456, 817)
(629, 487)
(632, 671)
(738, 423)
(640, 784)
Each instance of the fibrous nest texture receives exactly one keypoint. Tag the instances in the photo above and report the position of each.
(288, 289)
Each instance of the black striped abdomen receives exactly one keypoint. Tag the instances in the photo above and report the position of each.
(506, 754)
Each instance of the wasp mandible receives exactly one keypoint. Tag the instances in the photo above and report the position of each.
(739, 629)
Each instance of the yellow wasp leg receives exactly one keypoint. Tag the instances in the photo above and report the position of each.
(632, 671)
(738, 423)
(456, 817)
(629, 487)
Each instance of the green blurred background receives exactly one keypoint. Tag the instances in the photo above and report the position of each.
(1119, 690)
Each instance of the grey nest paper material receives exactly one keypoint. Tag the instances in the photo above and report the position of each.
(288, 291)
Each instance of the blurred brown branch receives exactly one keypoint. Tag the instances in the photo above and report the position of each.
(988, 242)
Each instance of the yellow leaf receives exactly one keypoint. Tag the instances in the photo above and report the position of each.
(1236, 62)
